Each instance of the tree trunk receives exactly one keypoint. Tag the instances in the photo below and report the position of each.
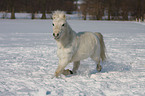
(33, 15)
(138, 10)
(125, 16)
(85, 17)
(142, 10)
(109, 10)
(44, 9)
(43, 15)
(13, 13)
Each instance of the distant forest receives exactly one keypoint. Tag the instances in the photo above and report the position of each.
(95, 9)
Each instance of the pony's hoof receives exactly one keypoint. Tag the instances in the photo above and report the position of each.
(99, 68)
(67, 72)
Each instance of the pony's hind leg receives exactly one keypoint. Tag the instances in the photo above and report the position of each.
(99, 67)
(97, 61)
(96, 57)
(75, 66)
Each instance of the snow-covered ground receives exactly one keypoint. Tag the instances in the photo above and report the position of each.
(4, 15)
(28, 60)
(22, 15)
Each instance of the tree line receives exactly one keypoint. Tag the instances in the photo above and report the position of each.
(114, 9)
(95, 9)
(36, 6)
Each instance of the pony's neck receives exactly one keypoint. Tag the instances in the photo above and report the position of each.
(68, 37)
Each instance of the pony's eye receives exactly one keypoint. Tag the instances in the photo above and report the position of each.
(53, 24)
(62, 24)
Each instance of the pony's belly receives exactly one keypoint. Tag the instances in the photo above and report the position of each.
(80, 56)
(78, 59)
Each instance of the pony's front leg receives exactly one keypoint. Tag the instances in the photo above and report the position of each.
(62, 64)
(74, 70)
(76, 66)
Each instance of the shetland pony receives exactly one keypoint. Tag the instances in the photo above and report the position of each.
(73, 47)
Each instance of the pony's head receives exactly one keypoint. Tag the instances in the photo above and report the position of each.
(59, 24)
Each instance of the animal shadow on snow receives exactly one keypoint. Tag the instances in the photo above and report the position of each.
(109, 66)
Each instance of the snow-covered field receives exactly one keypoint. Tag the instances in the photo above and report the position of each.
(28, 60)
(4, 15)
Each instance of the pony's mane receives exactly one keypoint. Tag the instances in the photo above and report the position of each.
(58, 15)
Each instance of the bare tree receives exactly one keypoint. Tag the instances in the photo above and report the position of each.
(84, 9)
(94, 8)
(43, 10)
(11, 6)
(140, 9)
(69, 6)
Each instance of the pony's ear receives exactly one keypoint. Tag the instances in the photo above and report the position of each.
(53, 17)
(64, 17)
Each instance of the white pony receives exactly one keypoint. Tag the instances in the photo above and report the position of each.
(73, 47)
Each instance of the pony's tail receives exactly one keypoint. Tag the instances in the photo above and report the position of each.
(102, 47)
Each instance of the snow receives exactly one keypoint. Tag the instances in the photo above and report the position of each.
(4, 15)
(28, 60)
(22, 15)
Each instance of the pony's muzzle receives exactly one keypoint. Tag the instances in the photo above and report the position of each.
(56, 35)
